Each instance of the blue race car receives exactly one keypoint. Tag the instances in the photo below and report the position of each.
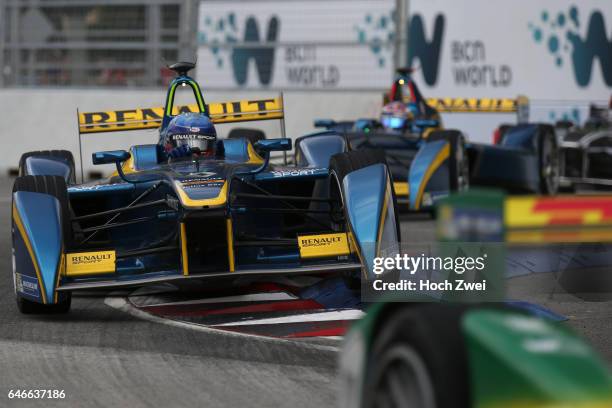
(427, 162)
(169, 217)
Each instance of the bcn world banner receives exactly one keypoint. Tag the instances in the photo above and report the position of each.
(316, 44)
(546, 49)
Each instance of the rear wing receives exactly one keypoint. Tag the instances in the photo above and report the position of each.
(246, 110)
(151, 118)
(518, 105)
(490, 105)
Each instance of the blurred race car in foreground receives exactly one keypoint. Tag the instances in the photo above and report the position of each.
(457, 356)
(586, 152)
(159, 220)
(427, 162)
(451, 355)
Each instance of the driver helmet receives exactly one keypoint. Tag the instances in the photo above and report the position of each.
(193, 130)
(396, 115)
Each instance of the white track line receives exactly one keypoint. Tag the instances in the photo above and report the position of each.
(123, 305)
(252, 297)
(352, 314)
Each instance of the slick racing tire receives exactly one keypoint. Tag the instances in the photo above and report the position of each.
(548, 154)
(56, 187)
(341, 164)
(458, 161)
(56, 154)
(419, 359)
(252, 135)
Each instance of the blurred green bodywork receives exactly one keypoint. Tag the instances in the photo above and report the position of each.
(520, 361)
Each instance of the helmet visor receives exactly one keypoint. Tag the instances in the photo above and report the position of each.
(197, 143)
(393, 122)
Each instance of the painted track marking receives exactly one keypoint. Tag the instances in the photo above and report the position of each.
(123, 305)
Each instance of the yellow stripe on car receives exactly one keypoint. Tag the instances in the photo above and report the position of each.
(442, 155)
(254, 158)
(383, 217)
(127, 166)
(230, 245)
(184, 255)
(28, 244)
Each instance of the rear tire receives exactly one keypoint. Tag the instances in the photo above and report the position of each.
(56, 187)
(64, 155)
(549, 161)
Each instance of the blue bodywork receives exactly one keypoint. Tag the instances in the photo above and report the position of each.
(37, 245)
(367, 200)
(428, 175)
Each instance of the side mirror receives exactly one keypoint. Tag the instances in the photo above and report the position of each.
(324, 123)
(273, 145)
(110, 156)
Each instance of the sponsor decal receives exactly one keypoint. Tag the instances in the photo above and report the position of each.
(470, 66)
(316, 246)
(295, 173)
(27, 285)
(192, 137)
(259, 48)
(559, 34)
(427, 52)
(376, 31)
(474, 104)
(86, 263)
(94, 187)
(250, 46)
(528, 212)
(151, 118)
(558, 219)
(213, 182)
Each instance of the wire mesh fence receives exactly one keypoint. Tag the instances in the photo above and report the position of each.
(92, 42)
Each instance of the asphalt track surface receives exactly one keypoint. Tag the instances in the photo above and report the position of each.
(102, 356)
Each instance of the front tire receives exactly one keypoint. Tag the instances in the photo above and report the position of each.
(422, 348)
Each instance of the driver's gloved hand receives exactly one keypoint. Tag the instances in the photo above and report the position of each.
(180, 151)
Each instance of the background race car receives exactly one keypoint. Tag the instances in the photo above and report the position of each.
(586, 155)
(427, 162)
